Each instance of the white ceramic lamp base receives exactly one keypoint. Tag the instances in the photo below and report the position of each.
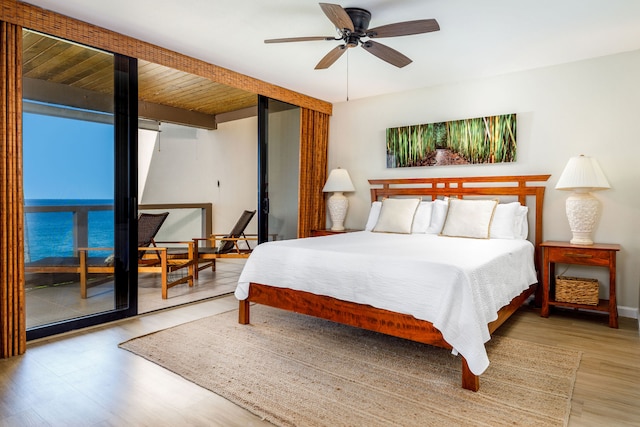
(582, 212)
(338, 205)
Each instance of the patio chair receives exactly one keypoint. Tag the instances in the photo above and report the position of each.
(234, 244)
(148, 227)
(154, 259)
(151, 258)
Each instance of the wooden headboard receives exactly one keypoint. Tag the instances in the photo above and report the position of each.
(517, 186)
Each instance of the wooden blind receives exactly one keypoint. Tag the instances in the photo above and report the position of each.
(314, 141)
(12, 297)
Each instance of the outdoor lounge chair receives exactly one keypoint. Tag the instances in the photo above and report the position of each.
(234, 244)
(151, 258)
(154, 259)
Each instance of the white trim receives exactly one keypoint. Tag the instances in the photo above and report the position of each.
(630, 312)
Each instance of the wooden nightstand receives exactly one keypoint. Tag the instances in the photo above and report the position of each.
(598, 255)
(329, 232)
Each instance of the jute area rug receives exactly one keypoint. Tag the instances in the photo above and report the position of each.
(295, 370)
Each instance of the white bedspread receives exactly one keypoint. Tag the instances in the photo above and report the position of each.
(457, 284)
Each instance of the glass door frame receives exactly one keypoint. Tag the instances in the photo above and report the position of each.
(263, 170)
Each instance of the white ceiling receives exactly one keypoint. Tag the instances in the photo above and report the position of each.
(478, 38)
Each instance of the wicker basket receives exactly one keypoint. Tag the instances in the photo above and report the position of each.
(577, 290)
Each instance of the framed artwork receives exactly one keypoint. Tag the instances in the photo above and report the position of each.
(489, 139)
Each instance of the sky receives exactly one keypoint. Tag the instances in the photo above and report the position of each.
(67, 158)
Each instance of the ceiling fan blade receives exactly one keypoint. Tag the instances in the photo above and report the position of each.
(338, 16)
(299, 39)
(386, 53)
(404, 28)
(331, 57)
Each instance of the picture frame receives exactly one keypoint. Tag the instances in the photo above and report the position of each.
(481, 140)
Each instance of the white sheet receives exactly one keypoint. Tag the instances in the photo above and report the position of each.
(457, 284)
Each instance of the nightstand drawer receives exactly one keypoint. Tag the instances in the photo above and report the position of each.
(580, 256)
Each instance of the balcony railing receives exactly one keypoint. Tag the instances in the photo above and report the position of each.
(66, 236)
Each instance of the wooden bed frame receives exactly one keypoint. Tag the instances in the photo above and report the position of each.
(403, 325)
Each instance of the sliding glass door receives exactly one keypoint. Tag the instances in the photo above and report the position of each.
(279, 169)
(77, 155)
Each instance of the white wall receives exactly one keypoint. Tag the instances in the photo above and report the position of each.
(188, 163)
(589, 107)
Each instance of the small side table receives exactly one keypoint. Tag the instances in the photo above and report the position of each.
(598, 255)
(329, 232)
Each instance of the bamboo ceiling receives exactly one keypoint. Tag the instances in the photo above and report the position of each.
(57, 61)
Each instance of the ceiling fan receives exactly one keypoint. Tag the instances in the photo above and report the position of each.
(352, 24)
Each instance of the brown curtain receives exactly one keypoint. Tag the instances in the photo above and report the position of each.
(12, 298)
(314, 139)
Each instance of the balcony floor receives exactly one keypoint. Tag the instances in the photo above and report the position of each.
(50, 303)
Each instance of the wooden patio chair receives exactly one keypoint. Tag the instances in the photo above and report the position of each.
(154, 259)
(151, 257)
(234, 244)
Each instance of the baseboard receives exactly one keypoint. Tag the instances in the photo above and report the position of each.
(630, 312)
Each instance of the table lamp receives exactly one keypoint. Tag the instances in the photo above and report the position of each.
(582, 175)
(338, 182)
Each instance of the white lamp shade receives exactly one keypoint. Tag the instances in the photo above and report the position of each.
(339, 180)
(582, 172)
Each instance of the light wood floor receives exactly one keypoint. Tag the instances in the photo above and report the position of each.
(83, 379)
(607, 390)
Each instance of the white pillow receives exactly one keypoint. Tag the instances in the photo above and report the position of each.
(438, 215)
(469, 218)
(522, 223)
(422, 218)
(396, 216)
(503, 224)
(374, 212)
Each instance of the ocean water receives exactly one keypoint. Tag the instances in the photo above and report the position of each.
(50, 234)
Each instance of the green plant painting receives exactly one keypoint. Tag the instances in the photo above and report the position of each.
(471, 141)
